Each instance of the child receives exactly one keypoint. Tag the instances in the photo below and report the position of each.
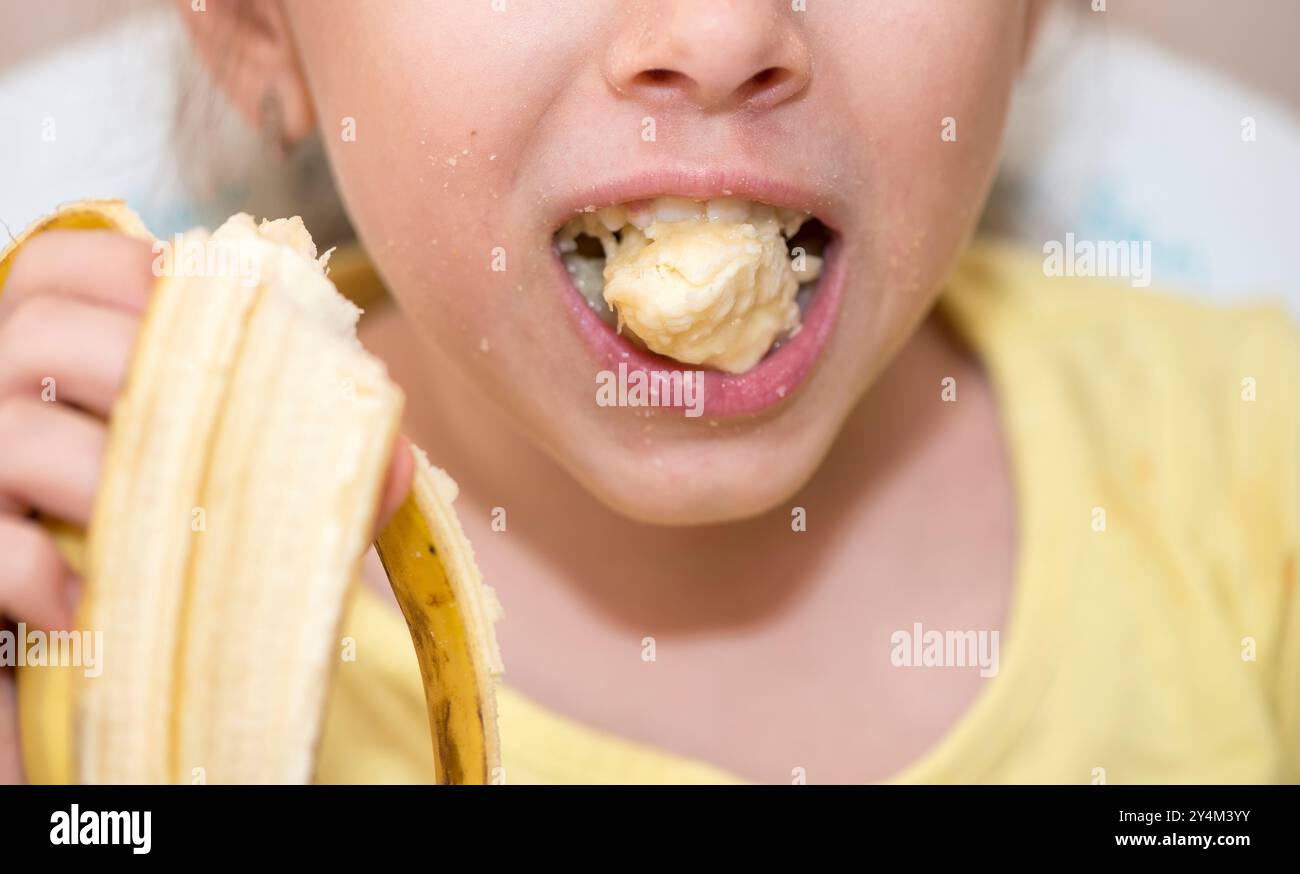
(969, 522)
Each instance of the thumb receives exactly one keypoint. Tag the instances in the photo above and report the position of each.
(11, 761)
(401, 469)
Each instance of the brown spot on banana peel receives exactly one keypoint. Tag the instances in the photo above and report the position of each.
(448, 753)
(443, 632)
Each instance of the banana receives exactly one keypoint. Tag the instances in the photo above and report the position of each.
(244, 462)
(425, 547)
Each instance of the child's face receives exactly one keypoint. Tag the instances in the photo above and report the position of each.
(478, 133)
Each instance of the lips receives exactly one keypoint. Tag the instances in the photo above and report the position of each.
(769, 383)
(780, 373)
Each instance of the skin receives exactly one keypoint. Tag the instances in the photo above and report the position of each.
(682, 526)
(564, 106)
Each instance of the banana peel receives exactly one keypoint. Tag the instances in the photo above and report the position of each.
(195, 699)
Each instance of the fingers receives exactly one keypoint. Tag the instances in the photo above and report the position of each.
(35, 584)
(70, 312)
(37, 588)
(85, 348)
(50, 456)
(98, 266)
(400, 472)
(11, 767)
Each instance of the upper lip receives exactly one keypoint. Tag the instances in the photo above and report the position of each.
(700, 183)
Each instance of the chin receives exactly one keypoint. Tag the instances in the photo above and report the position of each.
(704, 481)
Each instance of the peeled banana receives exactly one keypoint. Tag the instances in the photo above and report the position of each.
(244, 463)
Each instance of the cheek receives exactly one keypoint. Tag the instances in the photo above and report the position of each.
(940, 111)
(440, 127)
(928, 110)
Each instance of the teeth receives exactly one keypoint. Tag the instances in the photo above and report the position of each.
(641, 214)
(644, 213)
(587, 277)
(677, 209)
(761, 213)
(728, 209)
(806, 269)
(632, 237)
(624, 230)
(612, 217)
(791, 220)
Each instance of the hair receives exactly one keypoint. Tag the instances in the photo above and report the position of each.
(1065, 31)
(227, 166)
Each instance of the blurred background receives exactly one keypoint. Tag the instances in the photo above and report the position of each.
(1253, 40)
(1130, 124)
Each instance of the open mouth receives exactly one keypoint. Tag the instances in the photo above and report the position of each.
(741, 290)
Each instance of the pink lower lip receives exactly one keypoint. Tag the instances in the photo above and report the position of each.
(772, 381)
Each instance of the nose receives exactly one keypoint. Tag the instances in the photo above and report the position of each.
(711, 54)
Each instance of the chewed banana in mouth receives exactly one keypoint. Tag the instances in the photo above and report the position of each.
(716, 283)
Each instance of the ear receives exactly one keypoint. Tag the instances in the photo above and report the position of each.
(247, 46)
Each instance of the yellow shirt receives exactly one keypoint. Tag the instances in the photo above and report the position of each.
(1154, 634)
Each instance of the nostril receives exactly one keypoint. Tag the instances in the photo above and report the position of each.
(660, 78)
(716, 86)
(766, 82)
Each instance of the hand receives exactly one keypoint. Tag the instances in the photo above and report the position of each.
(69, 315)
